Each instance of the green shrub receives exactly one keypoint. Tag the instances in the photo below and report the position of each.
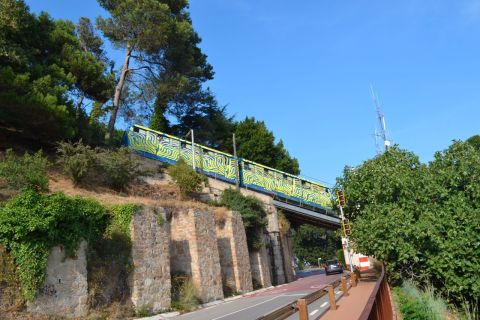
(184, 293)
(27, 171)
(121, 217)
(252, 212)
(76, 159)
(416, 304)
(114, 168)
(144, 311)
(31, 224)
(186, 178)
(118, 168)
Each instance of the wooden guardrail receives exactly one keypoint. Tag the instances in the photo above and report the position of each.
(379, 305)
(301, 305)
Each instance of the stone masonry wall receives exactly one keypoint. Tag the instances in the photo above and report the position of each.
(194, 251)
(233, 252)
(150, 278)
(277, 268)
(260, 266)
(64, 291)
(288, 257)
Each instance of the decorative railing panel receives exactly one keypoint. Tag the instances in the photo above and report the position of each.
(220, 165)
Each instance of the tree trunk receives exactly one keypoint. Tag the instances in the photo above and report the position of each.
(79, 106)
(118, 92)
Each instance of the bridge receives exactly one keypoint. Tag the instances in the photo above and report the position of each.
(302, 200)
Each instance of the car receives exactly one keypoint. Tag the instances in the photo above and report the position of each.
(333, 266)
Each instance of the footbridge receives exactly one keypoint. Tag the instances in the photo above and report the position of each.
(302, 200)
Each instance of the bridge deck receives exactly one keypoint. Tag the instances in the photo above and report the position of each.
(309, 216)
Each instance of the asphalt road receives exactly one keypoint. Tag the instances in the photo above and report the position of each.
(255, 305)
(318, 307)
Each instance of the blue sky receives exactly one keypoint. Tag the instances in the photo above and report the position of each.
(305, 68)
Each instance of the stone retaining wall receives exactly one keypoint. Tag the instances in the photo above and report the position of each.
(233, 251)
(194, 251)
(64, 291)
(150, 278)
(260, 266)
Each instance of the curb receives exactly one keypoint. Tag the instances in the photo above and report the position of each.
(167, 315)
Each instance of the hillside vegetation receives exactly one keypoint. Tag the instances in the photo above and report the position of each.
(422, 220)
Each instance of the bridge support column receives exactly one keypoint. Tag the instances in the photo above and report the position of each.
(276, 252)
(288, 256)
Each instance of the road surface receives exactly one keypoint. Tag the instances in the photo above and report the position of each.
(258, 304)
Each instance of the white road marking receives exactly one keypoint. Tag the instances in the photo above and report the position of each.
(324, 304)
(313, 312)
(277, 291)
(229, 314)
(338, 292)
(293, 295)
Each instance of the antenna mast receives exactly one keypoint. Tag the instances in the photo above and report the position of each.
(381, 132)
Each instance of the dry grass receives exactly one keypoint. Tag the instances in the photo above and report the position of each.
(221, 215)
(162, 196)
(11, 298)
(283, 223)
(26, 316)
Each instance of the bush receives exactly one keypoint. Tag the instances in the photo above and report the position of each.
(186, 178)
(115, 168)
(76, 159)
(184, 293)
(252, 212)
(416, 304)
(118, 168)
(31, 224)
(27, 171)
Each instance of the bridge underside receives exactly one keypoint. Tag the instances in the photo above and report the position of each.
(302, 215)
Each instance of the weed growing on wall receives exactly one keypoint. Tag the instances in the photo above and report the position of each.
(31, 224)
(184, 293)
(252, 212)
(283, 223)
(121, 216)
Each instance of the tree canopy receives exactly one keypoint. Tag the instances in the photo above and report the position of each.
(311, 243)
(168, 67)
(42, 69)
(422, 220)
(256, 143)
(58, 83)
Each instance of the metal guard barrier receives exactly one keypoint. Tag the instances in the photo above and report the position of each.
(223, 166)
